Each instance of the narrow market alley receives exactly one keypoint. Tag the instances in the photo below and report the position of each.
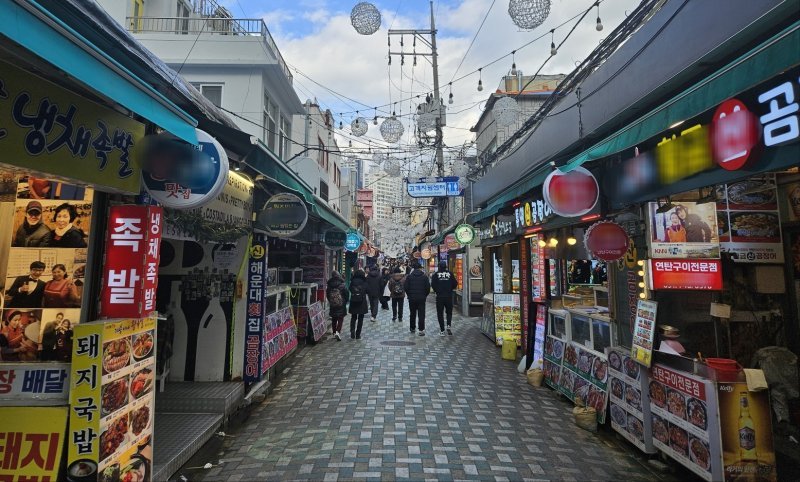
(397, 405)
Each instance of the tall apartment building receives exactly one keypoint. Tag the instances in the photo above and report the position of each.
(356, 165)
(387, 192)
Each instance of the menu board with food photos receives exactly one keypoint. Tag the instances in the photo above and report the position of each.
(684, 420)
(584, 376)
(507, 318)
(317, 315)
(553, 358)
(629, 400)
(111, 399)
(280, 337)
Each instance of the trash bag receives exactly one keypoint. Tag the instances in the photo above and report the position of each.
(535, 377)
(780, 369)
(521, 366)
(585, 418)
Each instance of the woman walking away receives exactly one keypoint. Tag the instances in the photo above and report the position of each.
(337, 295)
(398, 293)
(374, 290)
(384, 282)
(358, 303)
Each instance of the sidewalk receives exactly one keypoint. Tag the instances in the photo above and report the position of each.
(396, 405)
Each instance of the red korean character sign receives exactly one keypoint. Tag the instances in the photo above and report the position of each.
(130, 273)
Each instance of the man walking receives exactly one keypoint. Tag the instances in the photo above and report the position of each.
(397, 293)
(417, 287)
(443, 283)
(374, 290)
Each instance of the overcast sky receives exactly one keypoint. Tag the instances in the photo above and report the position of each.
(316, 37)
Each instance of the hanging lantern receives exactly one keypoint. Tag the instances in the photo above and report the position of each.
(379, 157)
(392, 129)
(366, 18)
(426, 122)
(528, 14)
(359, 127)
(505, 111)
(460, 168)
(391, 167)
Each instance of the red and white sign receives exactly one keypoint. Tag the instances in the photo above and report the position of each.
(130, 273)
(572, 193)
(734, 134)
(451, 242)
(606, 240)
(679, 381)
(684, 274)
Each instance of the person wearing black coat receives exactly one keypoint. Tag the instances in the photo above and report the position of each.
(338, 295)
(384, 281)
(417, 287)
(358, 303)
(443, 283)
(374, 290)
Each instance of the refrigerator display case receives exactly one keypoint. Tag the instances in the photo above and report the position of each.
(290, 276)
(309, 313)
(303, 294)
(592, 329)
(277, 298)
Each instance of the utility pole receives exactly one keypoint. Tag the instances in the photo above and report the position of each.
(440, 203)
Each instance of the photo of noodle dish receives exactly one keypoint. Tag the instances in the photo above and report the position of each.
(696, 410)
(699, 453)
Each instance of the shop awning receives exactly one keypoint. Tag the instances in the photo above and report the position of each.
(535, 179)
(38, 30)
(761, 63)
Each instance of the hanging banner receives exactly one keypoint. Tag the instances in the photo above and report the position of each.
(572, 193)
(538, 269)
(682, 231)
(130, 271)
(33, 443)
(644, 332)
(465, 234)
(684, 274)
(66, 134)
(606, 240)
(285, 215)
(256, 299)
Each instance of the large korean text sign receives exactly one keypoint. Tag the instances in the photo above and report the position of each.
(31, 442)
(63, 134)
(256, 307)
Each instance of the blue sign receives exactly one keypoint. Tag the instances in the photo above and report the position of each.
(352, 241)
(434, 187)
(256, 309)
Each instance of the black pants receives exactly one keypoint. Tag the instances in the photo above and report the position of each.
(417, 308)
(397, 308)
(353, 329)
(336, 323)
(444, 305)
(373, 306)
(385, 302)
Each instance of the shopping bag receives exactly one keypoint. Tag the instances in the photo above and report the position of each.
(386, 292)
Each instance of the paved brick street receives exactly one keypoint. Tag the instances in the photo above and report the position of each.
(441, 409)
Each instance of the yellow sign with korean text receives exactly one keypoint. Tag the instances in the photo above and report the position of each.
(111, 397)
(31, 442)
(46, 128)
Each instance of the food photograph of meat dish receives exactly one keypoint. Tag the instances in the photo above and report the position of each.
(617, 388)
(658, 394)
(113, 436)
(676, 403)
(699, 453)
(140, 419)
(116, 355)
(141, 382)
(660, 430)
(143, 345)
(571, 355)
(114, 396)
(615, 361)
(696, 409)
(630, 367)
(600, 370)
(633, 397)
(679, 440)
(619, 415)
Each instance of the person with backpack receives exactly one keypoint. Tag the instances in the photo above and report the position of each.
(358, 303)
(337, 295)
(397, 293)
(417, 287)
(374, 290)
(443, 283)
(384, 282)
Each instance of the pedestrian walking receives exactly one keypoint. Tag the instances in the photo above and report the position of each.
(337, 295)
(385, 295)
(397, 293)
(358, 303)
(374, 291)
(443, 283)
(417, 287)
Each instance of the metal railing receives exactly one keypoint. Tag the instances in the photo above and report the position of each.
(253, 27)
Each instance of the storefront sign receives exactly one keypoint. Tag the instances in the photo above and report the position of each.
(606, 240)
(644, 332)
(459, 272)
(256, 308)
(684, 274)
(532, 213)
(450, 242)
(32, 443)
(464, 234)
(112, 407)
(538, 269)
(501, 226)
(285, 215)
(507, 318)
(684, 420)
(438, 187)
(199, 177)
(425, 252)
(335, 239)
(352, 240)
(746, 422)
(734, 135)
(34, 381)
(629, 400)
(63, 134)
(130, 271)
(780, 115)
(686, 230)
(749, 221)
(572, 193)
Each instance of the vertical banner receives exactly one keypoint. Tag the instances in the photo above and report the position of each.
(32, 443)
(130, 273)
(111, 400)
(256, 288)
(538, 334)
(538, 270)
(524, 290)
(644, 332)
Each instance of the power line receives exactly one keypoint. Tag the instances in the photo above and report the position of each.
(473, 40)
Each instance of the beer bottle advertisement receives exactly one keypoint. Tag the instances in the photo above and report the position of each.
(748, 451)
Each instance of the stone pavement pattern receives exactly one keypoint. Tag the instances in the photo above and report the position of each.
(442, 409)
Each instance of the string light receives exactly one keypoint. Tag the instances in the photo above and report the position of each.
(480, 79)
(571, 241)
(553, 49)
(513, 63)
(450, 99)
(599, 25)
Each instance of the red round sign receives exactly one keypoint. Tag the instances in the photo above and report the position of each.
(450, 242)
(734, 134)
(606, 240)
(572, 193)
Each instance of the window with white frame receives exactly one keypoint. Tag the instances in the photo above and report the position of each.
(270, 123)
(285, 139)
(212, 92)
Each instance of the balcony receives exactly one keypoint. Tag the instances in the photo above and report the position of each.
(224, 26)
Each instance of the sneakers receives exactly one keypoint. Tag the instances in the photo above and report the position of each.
(353, 336)
(421, 332)
(413, 330)
(358, 337)
(394, 319)
(337, 335)
(373, 319)
(441, 333)
(449, 331)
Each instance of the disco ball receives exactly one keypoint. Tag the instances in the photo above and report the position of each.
(366, 18)
(379, 157)
(359, 127)
(391, 167)
(505, 111)
(392, 130)
(426, 122)
(460, 168)
(528, 14)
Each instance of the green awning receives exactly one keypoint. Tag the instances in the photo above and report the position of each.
(761, 63)
(518, 190)
(326, 214)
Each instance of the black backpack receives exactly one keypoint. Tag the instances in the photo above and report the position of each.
(358, 293)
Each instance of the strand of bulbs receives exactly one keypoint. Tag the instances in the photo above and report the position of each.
(553, 242)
